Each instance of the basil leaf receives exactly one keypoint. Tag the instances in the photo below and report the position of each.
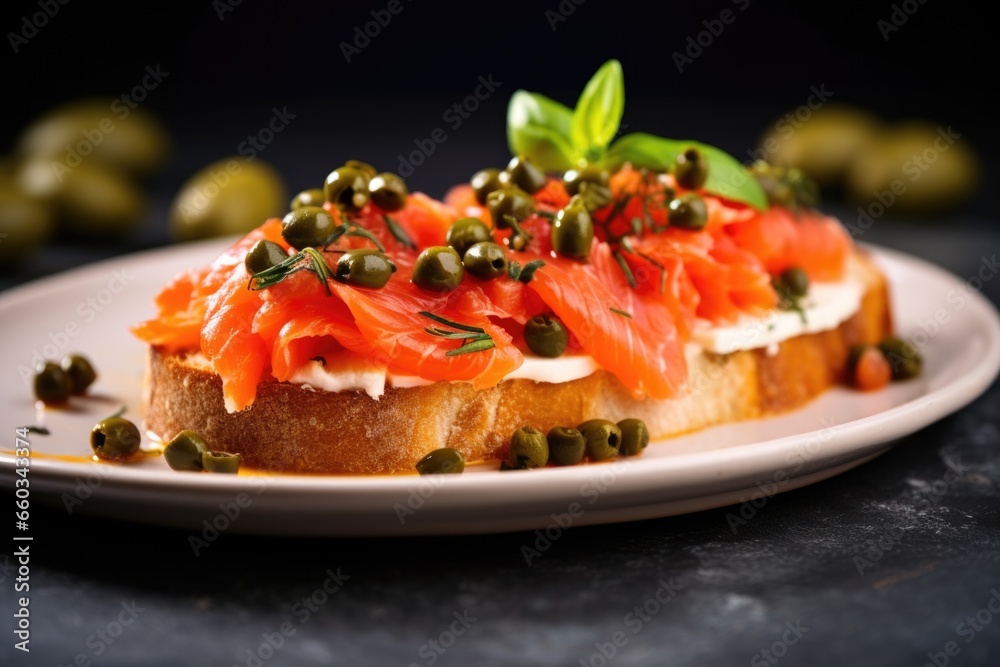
(727, 178)
(598, 113)
(539, 128)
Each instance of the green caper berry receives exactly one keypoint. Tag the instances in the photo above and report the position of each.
(311, 197)
(466, 232)
(114, 438)
(347, 187)
(363, 167)
(509, 201)
(439, 269)
(546, 336)
(566, 446)
(442, 461)
(185, 451)
(794, 281)
(591, 175)
(52, 384)
(388, 191)
(307, 227)
(603, 437)
(484, 182)
(691, 169)
(81, 372)
(364, 267)
(525, 175)
(528, 449)
(688, 212)
(904, 360)
(486, 260)
(573, 230)
(263, 255)
(635, 436)
(221, 462)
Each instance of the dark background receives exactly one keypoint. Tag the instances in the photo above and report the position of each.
(795, 561)
(226, 75)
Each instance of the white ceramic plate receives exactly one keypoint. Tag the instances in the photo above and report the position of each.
(89, 310)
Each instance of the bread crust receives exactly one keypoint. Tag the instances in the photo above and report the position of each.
(294, 429)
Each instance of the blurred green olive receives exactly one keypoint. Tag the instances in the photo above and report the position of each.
(822, 145)
(25, 224)
(103, 132)
(90, 200)
(231, 196)
(923, 168)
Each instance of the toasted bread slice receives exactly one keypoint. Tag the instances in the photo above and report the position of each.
(296, 429)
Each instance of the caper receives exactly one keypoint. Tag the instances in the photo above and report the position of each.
(442, 461)
(263, 255)
(691, 169)
(388, 191)
(546, 336)
(906, 363)
(308, 227)
(794, 282)
(185, 451)
(604, 438)
(25, 225)
(528, 449)
(311, 197)
(486, 260)
(363, 167)
(573, 230)
(114, 438)
(223, 462)
(438, 268)
(131, 139)
(484, 182)
(89, 200)
(525, 175)
(364, 267)
(466, 232)
(635, 436)
(566, 446)
(347, 187)
(510, 201)
(591, 174)
(80, 370)
(231, 196)
(53, 385)
(688, 212)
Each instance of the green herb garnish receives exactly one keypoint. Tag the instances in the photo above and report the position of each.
(514, 270)
(528, 272)
(478, 339)
(619, 311)
(557, 138)
(399, 233)
(307, 259)
(625, 269)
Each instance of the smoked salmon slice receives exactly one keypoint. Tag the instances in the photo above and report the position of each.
(631, 307)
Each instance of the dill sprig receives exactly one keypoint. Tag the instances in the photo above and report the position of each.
(528, 272)
(398, 232)
(307, 259)
(478, 339)
(619, 311)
